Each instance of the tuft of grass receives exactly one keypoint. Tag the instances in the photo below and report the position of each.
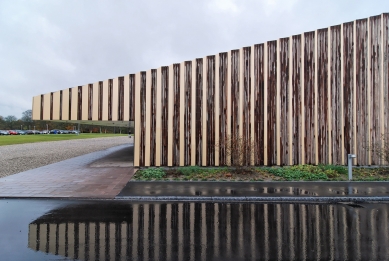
(151, 173)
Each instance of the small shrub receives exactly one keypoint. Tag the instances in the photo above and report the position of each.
(331, 173)
(189, 170)
(152, 173)
(337, 168)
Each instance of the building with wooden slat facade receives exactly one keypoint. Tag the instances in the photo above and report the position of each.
(305, 99)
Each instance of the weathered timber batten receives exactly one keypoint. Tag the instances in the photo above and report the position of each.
(306, 99)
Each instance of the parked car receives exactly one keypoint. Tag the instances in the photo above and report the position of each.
(31, 132)
(3, 132)
(20, 132)
(55, 132)
(64, 132)
(74, 132)
(12, 132)
(45, 132)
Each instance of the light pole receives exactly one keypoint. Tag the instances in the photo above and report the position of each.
(47, 128)
(350, 165)
(34, 130)
(21, 127)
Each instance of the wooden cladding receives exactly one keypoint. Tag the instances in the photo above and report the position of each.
(306, 99)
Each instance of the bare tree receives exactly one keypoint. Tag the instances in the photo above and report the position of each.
(381, 149)
(238, 150)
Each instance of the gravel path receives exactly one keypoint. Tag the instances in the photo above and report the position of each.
(22, 157)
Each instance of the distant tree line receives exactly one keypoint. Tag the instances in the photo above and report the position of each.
(10, 122)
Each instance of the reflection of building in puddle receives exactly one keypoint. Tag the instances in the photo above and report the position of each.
(212, 231)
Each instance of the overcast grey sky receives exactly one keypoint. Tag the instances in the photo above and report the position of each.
(56, 44)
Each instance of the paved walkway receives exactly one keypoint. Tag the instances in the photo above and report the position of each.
(87, 176)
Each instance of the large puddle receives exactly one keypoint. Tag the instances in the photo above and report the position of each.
(122, 230)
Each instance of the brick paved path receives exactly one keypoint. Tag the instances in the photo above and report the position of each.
(76, 177)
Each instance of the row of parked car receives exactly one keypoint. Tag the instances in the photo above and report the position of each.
(30, 132)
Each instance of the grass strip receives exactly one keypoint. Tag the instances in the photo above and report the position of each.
(21, 139)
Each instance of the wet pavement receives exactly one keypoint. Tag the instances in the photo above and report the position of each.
(101, 174)
(123, 230)
(257, 191)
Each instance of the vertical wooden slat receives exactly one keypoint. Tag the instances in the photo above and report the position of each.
(95, 99)
(193, 113)
(126, 98)
(235, 119)
(278, 134)
(153, 115)
(74, 105)
(336, 86)
(271, 98)
(170, 106)
(302, 75)
(56, 105)
(316, 140)
(115, 99)
(296, 94)
(104, 112)
(217, 113)
(223, 119)
(85, 99)
(131, 86)
(188, 114)
(36, 109)
(182, 109)
(158, 117)
(204, 112)
(164, 115)
(46, 106)
(210, 111)
(176, 116)
(245, 96)
(259, 103)
(137, 119)
(375, 42)
(322, 96)
(148, 118)
(199, 111)
(142, 119)
(265, 103)
(348, 87)
(385, 74)
(283, 76)
(362, 91)
(229, 109)
(309, 98)
(290, 100)
(329, 95)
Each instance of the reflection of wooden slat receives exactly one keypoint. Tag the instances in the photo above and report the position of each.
(112, 241)
(52, 237)
(32, 236)
(71, 246)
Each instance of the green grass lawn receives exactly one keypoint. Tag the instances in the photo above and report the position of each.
(20, 139)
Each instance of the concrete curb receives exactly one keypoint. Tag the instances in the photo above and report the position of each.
(255, 199)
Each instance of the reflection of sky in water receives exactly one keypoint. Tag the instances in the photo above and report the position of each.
(115, 230)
